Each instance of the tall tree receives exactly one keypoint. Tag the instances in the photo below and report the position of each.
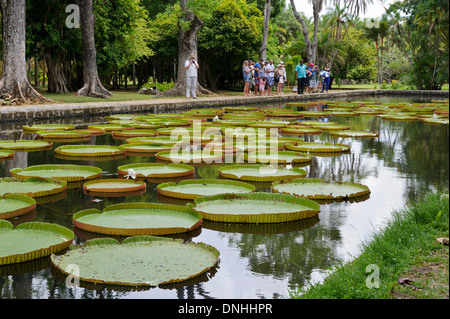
(263, 49)
(92, 85)
(14, 81)
(189, 26)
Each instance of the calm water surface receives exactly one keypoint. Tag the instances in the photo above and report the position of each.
(407, 160)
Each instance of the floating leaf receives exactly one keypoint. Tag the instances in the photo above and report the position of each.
(132, 219)
(113, 186)
(32, 186)
(25, 145)
(191, 189)
(65, 172)
(254, 208)
(89, 150)
(13, 205)
(260, 173)
(138, 260)
(31, 240)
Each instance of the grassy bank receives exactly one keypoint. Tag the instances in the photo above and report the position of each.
(406, 244)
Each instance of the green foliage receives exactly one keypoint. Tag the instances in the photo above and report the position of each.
(160, 86)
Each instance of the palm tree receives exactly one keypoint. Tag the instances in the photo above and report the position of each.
(353, 7)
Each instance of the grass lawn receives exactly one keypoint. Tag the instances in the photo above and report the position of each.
(406, 248)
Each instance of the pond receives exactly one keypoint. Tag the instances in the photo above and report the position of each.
(407, 160)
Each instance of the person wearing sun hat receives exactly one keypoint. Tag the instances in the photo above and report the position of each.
(279, 71)
(191, 76)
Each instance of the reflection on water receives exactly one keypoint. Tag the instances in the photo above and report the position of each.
(407, 160)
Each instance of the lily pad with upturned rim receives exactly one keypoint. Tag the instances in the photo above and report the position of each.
(48, 127)
(313, 147)
(278, 157)
(134, 219)
(157, 170)
(89, 150)
(191, 189)
(32, 186)
(356, 134)
(319, 189)
(138, 260)
(25, 145)
(65, 172)
(145, 147)
(13, 205)
(114, 186)
(254, 208)
(31, 240)
(260, 173)
(5, 154)
(190, 157)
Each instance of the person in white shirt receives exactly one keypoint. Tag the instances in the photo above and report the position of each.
(191, 76)
(270, 72)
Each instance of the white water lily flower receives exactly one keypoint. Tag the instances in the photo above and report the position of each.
(131, 173)
(289, 166)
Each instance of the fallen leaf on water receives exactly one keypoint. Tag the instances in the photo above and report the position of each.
(97, 200)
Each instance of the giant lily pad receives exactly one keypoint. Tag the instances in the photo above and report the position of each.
(31, 240)
(133, 133)
(25, 145)
(254, 208)
(319, 189)
(260, 173)
(138, 260)
(156, 170)
(132, 219)
(114, 186)
(190, 157)
(313, 147)
(69, 134)
(278, 157)
(111, 127)
(5, 154)
(65, 172)
(191, 189)
(89, 150)
(153, 139)
(48, 127)
(13, 205)
(301, 131)
(145, 147)
(32, 186)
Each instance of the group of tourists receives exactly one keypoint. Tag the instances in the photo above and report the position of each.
(260, 77)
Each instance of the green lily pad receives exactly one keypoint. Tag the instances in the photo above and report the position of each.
(152, 139)
(13, 205)
(48, 127)
(25, 145)
(330, 127)
(301, 131)
(63, 134)
(89, 150)
(267, 124)
(133, 133)
(191, 189)
(32, 186)
(113, 186)
(319, 189)
(111, 127)
(65, 172)
(254, 208)
(138, 260)
(313, 147)
(436, 121)
(6, 153)
(132, 219)
(156, 170)
(145, 147)
(189, 157)
(278, 157)
(31, 240)
(260, 173)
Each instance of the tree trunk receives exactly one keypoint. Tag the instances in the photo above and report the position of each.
(56, 80)
(308, 45)
(14, 83)
(92, 85)
(263, 49)
(187, 44)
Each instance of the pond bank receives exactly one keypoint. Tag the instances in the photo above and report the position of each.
(408, 243)
(159, 105)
